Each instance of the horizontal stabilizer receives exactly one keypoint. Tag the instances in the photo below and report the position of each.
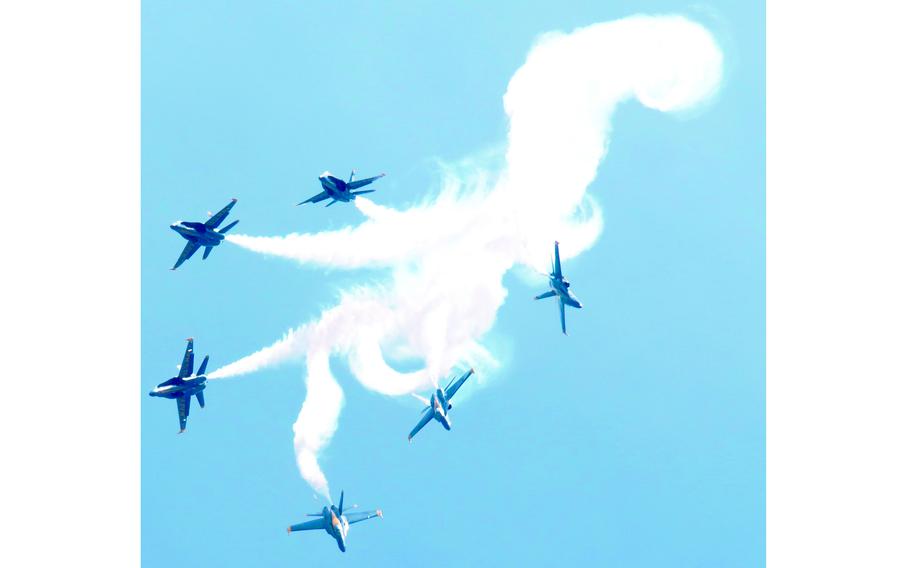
(202, 367)
(362, 182)
(228, 227)
(363, 191)
(205, 255)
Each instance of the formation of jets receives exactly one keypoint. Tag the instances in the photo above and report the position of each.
(335, 521)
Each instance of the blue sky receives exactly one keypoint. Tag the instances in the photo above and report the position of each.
(638, 440)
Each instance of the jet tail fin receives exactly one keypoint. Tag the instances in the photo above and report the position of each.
(228, 227)
(332, 202)
(341, 501)
(201, 399)
(205, 255)
(350, 179)
(202, 367)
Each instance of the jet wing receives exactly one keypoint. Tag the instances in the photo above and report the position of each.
(562, 315)
(188, 251)
(357, 517)
(427, 416)
(352, 185)
(315, 524)
(322, 196)
(186, 368)
(557, 266)
(453, 388)
(219, 217)
(183, 410)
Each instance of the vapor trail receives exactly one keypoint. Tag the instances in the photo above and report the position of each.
(447, 257)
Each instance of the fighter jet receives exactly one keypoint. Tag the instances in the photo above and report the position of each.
(334, 521)
(560, 287)
(184, 385)
(438, 406)
(203, 234)
(340, 190)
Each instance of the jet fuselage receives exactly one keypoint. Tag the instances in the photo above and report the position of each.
(176, 387)
(198, 233)
(336, 188)
(336, 525)
(561, 287)
(441, 408)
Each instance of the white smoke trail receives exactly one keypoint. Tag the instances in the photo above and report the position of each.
(448, 256)
(317, 420)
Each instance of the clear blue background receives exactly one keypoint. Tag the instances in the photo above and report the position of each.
(636, 441)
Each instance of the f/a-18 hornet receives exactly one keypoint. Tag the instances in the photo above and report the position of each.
(184, 385)
(438, 406)
(340, 190)
(203, 234)
(335, 521)
(560, 287)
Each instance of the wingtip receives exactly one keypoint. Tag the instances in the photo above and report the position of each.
(182, 430)
(289, 530)
(379, 513)
(233, 200)
(409, 439)
(189, 338)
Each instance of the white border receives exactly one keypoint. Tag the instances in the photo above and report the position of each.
(69, 161)
(838, 285)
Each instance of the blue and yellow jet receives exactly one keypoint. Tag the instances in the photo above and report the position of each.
(340, 190)
(559, 287)
(203, 234)
(438, 406)
(334, 521)
(184, 385)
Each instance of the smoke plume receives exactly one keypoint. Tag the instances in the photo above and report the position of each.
(446, 258)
